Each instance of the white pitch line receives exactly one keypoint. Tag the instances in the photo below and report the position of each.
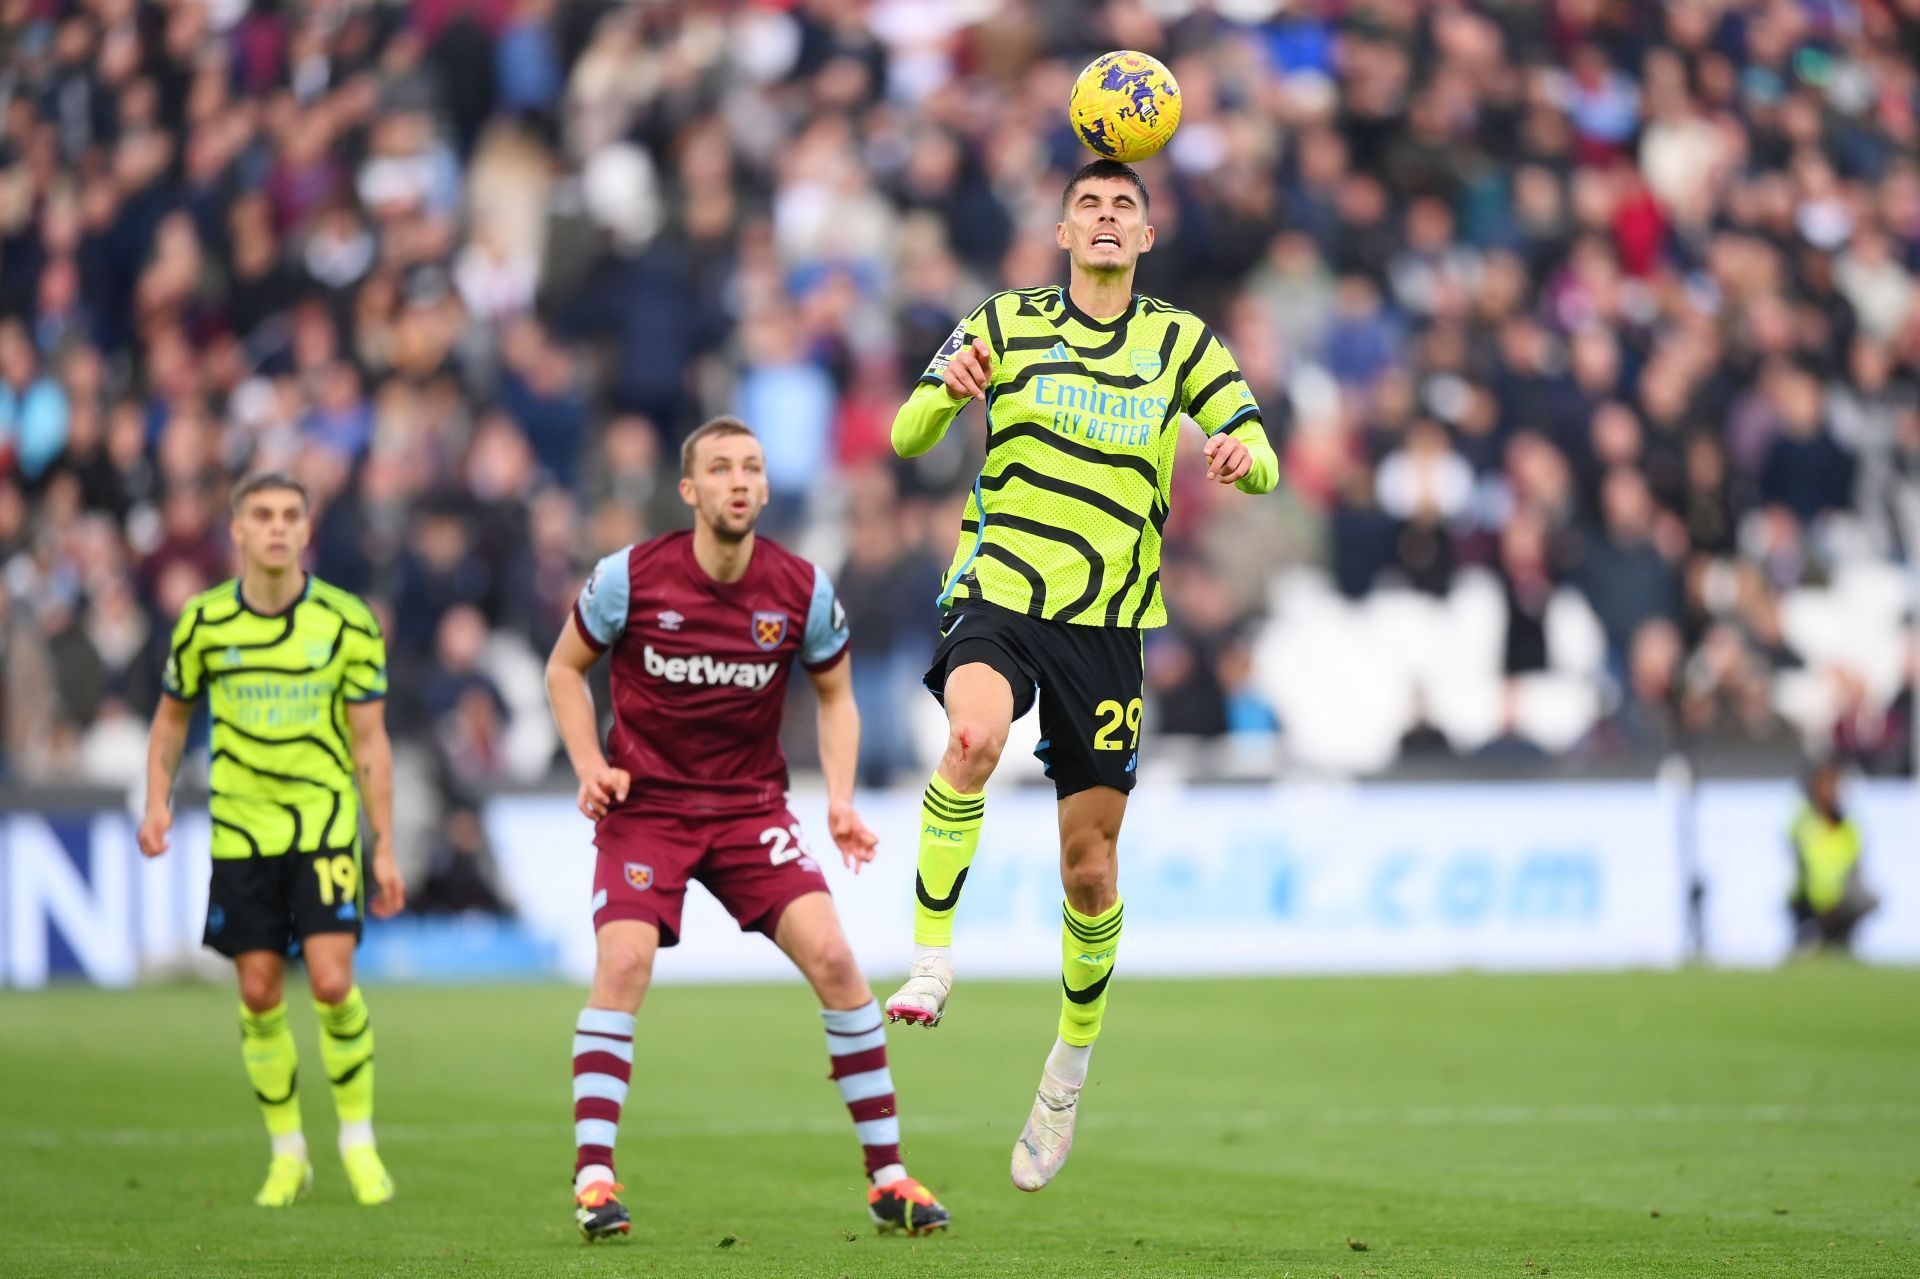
(1488, 1116)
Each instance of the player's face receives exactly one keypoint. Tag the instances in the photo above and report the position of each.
(1105, 228)
(271, 529)
(728, 487)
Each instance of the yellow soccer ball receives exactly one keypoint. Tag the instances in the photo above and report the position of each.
(1125, 105)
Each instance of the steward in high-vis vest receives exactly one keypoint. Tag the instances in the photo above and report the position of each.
(1829, 900)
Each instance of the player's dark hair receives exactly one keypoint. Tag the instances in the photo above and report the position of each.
(711, 429)
(269, 482)
(1095, 169)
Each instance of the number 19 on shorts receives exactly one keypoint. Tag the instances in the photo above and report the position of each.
(1111, 718)
(339, 877)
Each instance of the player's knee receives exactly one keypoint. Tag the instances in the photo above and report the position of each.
(330, 986)
(259, 991)
(832, 967)
(1089, 870)
(973, 749)
(625, 970)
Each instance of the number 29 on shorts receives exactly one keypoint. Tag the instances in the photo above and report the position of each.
(1112, 716)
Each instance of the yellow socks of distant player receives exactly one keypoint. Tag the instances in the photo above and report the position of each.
(346, 1049)
(1087, 947)
(949, 834)
(266, 1044)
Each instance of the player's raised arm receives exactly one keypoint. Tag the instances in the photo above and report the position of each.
(960, 370)
(823, 651)
(1216, 396)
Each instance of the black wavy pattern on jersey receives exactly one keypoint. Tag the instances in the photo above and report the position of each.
(1045, 343)
(1126, 584)
(344, 619)
(1096, 564)
(339, 761)
(1188, 365)
(224, 753)
(192, 628)
(244, 833)
(993, 327)
(326, 832)
(286, 670)
(994, 551)
(286, 633)
(1117, 381)
(1072, 448)
(1065, 488)
(1211, 389)
(1119, 321)
(1146, 597)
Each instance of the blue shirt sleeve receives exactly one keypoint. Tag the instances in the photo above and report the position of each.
(826, 637)
(602, 607)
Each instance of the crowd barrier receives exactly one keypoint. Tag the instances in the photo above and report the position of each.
(1229, 880)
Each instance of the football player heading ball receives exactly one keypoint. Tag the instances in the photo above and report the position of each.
(1056, 572)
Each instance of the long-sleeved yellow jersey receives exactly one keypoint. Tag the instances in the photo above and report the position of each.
(1083, 419)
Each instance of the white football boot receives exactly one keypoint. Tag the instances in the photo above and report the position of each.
(1044, 1143)
(922, 1001)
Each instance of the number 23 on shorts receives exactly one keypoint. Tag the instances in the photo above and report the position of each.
(1112, 715)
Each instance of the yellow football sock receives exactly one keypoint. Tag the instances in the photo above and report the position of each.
(266, 1045)
(1087, 947)
(346, 1050)
(949, 834)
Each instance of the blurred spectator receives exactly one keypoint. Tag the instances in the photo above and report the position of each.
(1626, 576)
(883, 572)
(460, 876)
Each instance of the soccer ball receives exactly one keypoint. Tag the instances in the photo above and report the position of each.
(1125, 105)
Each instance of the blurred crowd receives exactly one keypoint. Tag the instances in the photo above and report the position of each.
(1606, 309)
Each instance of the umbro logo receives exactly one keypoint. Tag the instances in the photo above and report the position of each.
(670, 620)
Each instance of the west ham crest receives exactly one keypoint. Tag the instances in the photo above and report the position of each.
(639, 877)
(769, 629)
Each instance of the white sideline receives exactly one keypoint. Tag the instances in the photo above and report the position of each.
(1405, 1117)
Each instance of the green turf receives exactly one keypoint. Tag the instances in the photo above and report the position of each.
(1680, 1124)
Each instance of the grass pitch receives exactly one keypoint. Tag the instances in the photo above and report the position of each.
(1644, 1124)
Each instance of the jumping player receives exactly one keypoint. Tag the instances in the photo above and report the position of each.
(1057, 571)
(294, 672)
(704, 627)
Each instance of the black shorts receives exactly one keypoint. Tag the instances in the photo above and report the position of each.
(271, 903)
(1088, 680)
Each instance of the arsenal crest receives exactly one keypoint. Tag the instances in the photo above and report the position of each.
(769, 629)
(639, 878)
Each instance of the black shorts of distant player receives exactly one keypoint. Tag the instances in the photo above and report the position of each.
(274, 903)
(1086, 679)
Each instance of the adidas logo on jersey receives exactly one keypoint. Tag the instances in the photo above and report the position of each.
(1059, 352)
(704, 669)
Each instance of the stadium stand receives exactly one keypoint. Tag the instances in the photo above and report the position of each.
(1588, 333)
